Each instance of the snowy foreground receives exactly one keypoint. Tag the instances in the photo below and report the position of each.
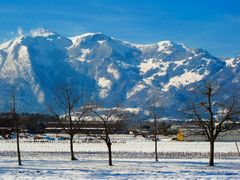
(134, 169)
(133, 158)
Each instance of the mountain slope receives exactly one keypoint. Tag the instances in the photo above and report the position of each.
(106, 69)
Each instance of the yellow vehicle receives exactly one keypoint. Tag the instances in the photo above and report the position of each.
(180, 135)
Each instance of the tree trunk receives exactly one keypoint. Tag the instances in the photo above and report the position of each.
(156, 151)
(211, 155)
(71, 148)
(109, 145)
(155, 138)
(237, 148)
(18, 148)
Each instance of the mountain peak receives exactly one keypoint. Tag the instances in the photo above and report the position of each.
(90, 36)
(165, 43)
(165, 46)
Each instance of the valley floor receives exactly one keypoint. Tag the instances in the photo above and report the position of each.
(122, 169)
(133, 158)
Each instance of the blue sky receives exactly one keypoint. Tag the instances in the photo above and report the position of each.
(213, 25)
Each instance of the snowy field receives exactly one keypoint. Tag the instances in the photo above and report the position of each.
(121, 143)
(133, 158)
(136, 169)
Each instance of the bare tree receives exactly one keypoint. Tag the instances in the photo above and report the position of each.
(214, 114)
(67, 99)
(154, 113)
(107, 118)
(16, 123)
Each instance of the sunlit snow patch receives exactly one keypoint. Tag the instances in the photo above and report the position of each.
(113, 72)
(232, 62)
(37, 91)
(183, 79)
(105, 85)
(149, 64)
(137, 88)
(164, 46)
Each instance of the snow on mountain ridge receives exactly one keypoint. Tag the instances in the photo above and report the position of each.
(5, 44)
(233, 62)
(76, 40)
(108, 68)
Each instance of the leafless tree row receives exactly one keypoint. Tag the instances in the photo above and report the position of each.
(212, 112)
(68, 100)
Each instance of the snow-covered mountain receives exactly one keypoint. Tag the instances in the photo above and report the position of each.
(105, 69)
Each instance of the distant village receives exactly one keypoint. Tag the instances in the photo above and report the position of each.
(46, 127)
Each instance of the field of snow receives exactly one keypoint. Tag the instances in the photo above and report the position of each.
(133, 158)
(121, 143)
(137, 169)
